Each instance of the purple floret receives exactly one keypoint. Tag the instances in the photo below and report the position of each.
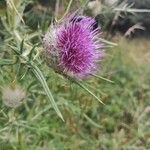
(76, 43)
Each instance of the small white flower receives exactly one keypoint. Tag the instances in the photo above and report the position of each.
(13, 96)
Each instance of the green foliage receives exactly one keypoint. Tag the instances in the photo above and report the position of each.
(122, 123)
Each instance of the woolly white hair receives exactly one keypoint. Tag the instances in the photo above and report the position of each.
(12, 97)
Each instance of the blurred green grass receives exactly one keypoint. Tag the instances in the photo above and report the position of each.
(123, 123)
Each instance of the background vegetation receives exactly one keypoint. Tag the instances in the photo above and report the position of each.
(123, 123)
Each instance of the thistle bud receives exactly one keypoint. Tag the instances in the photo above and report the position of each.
(13, 96)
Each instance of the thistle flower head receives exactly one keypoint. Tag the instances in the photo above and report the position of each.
(13, 96)
(72, 46)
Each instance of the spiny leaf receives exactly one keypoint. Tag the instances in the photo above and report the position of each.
(134, 10)
(41, 78)
(6, 62)
(15, 49)
(21, 46)
(100, 77)
(31, 52)
(108, 42)
(86, 89)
